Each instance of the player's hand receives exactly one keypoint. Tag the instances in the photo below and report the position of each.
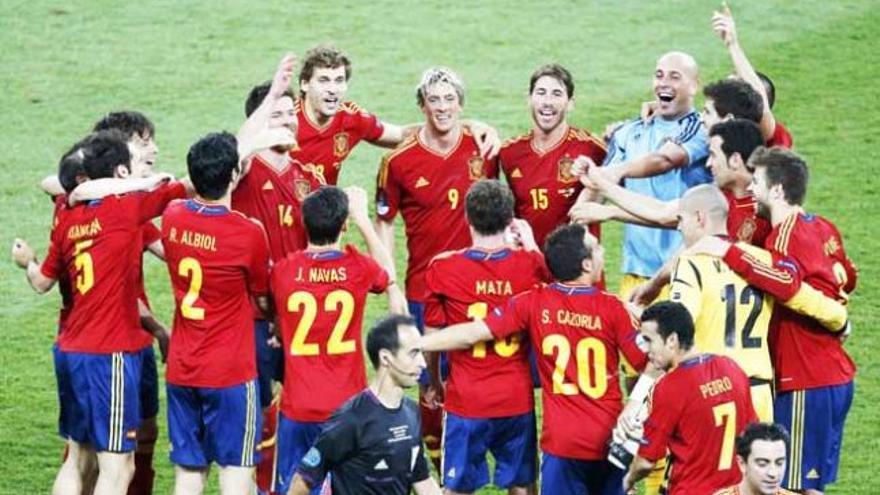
(610, 129)
(357, 204)
(629, 427)
(710, 245)
(644, 294)
(487, 139)
(434, 395)
(163, 339)
(160, 179)
(589, 212)
(22, 253)
(649, 109)
(724, 26)
(521, 233)
(283, 76)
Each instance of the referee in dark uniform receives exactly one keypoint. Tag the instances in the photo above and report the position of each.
(373, 443)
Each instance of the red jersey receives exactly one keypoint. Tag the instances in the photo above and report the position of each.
(743, 222)
(429, 190)
(780, 137)
(320, 298)
(490, 380)
(806, 355)
(322, 149)
(275, 199)
(542, 183)
(696, 412)
(97, 246)
(149, 234)
(578, 332)
(217, 259)
(64, 287)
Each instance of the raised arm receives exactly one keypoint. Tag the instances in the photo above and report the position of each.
(254, 134)
(51, 185)
(99, 188)
(24, 257)
(460, 336)
(725, 28)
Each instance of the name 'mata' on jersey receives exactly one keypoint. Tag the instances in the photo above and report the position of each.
(492, 379)
(696, 412)
(429, 191)
(541, 181)
(320, 298)
(322, 149)
(578, 333)
(368, 449)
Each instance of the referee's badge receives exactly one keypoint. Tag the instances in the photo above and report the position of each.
(312, 458)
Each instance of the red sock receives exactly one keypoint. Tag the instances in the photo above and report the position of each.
(267, 447)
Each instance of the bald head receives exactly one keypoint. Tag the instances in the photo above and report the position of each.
(708, 200)
(681, 62)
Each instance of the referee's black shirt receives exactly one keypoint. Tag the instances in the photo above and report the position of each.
(368, 449)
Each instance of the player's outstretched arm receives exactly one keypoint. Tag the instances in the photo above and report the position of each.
(460, 336)
(258, 122)
(52, 186)
(24, 257)
(651, 210)
(725, 28)
(359, 214)
(99, 188)
(671, 155)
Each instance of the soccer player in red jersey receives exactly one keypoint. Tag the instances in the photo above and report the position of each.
(95, 246)
(775, 134)
(426, 179)
(579, 332)
(330, 127)
(538, 165)
(696, 409)
(761, 454)
(320, 294)
(217, 260)
(814, 374)
(488, 396)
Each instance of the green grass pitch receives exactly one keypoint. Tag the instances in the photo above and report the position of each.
(189, 66)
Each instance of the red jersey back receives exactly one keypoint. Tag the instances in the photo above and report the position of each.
(542, 183)
(492, 379)
(217, 259)
(429, 190)
(275, 199)
(743, 222)
(320, 298)
(323, 149)
(97, 246)
(781, 137)
(806, 355)
(578, 332)
(696, 412)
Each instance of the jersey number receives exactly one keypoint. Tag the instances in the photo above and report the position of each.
(540, 201)
(590, 359)
(748, 296)
(503, 347)
(452, 196)
(85, 269)
(339, 301)
(285, 215)
(725, 416)
(190, 267)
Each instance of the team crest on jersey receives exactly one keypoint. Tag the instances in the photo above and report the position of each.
(563, 170)
(475, 168)
(340, 144)
(302, 188)
(746, 230)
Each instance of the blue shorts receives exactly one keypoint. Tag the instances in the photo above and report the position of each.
(511, 440)
(814, 418)
(99, 398)
(149, 387)
(219, 425)
(563, 476)
(417, 310)
(270, 362)
(293, 440)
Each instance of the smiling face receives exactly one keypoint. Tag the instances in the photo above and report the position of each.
(675, 84)
(143, 151)
(441, 107)
(325, 90)
(549, 102)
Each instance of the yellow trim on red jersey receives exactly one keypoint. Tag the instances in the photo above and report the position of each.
(406, 144)
(584, 135)
(350, 107)
(785, 231)
(514, 140)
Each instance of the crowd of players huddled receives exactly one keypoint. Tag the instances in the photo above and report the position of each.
(720, 368)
